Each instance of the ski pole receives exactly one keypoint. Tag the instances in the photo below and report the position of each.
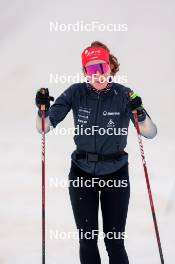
(43, 180)
(148, 186)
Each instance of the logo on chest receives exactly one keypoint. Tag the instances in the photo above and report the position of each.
(106, 113)
(111, 123)
(83, 114)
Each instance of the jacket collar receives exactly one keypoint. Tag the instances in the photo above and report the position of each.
(102, 95)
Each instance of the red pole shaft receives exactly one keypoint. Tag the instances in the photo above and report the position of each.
(43, 185)
(148, 187)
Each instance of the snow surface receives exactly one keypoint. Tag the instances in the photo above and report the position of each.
(29, 53)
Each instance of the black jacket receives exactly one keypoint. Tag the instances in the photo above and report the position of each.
(108, 112)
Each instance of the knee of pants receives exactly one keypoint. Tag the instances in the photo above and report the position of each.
(88, 244)
(113, 244)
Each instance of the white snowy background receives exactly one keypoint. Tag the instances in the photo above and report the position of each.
(29, 52)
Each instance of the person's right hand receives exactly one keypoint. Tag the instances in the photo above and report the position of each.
(43, 98)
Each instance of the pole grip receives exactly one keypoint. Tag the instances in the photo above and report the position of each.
(43, 106)
(134, 111)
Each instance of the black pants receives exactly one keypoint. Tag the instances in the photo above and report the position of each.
(114, 205)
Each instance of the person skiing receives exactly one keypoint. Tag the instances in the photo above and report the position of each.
(102, 109)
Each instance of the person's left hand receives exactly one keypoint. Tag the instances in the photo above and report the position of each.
(136, 103)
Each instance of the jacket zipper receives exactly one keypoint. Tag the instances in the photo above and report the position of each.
(96, 118)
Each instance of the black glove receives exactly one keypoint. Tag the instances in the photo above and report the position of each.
(136, 103)
(43, 98)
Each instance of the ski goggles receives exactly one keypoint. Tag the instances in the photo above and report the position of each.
(102, 68)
